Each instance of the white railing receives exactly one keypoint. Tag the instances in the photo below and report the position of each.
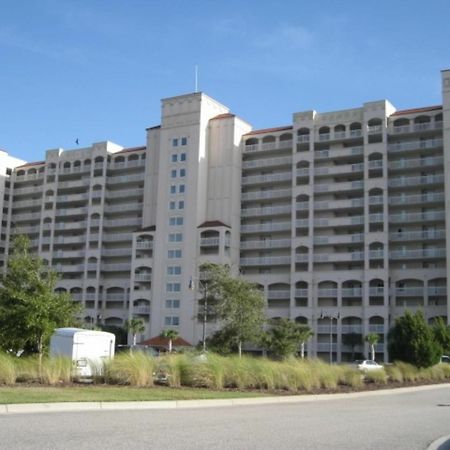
(417, 235)
(281, 161)
(417, 162)
(415, 145)
(418, 253)
(269, 243)
(266, 261)
(279, 293)
(210, 242)
(275, 193)
(414, 217)
(414, 181)
(417, 198)
(276, 226)
(270, 178)
(267, 211)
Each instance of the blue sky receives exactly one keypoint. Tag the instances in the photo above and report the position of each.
(96, 69)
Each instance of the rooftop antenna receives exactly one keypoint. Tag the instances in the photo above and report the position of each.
(196, 78)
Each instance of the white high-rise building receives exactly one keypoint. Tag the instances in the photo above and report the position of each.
(340, 217)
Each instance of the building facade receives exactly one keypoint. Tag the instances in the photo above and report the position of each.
(340, 218)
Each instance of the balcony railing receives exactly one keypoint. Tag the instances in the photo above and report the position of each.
(417, 162)
(414, 181)
(418, 253)
(414, 145)
(417, 198)
(271, 162)
(267, 211)
(259, 195)
(416, 127)
(269, 178)
(269, 243)
(276, 226)
(417, 217)
(268, 146)
(279, 293)
(266, 261)
(417, 235)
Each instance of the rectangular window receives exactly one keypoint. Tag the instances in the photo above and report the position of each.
(174, 253)
(181, 188)
(173, 173)
(182, 172)
(184, 141)
(181, 204)
(175, 142)
(176, 221)
(173, 189)
(174, 270)
(172, 321)
(182, 156)
(173, 287)
(175, 237)
(174, 157)
(172, 205)
(173, 303)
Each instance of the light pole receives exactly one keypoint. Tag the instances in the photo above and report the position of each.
(331, 317)
(204, 287)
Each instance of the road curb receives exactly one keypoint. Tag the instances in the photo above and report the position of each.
(23, 408)
(442, 443)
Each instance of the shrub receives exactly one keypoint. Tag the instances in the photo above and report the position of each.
(135, 369)
(394, 373)
(408, 371)
(8, 374)
(55, 370)
(349, 376)
(376, 376)
(412, 340)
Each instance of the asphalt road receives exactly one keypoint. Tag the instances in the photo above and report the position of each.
(397, 421)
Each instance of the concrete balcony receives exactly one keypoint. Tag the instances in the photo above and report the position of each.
(261, 195)
(115, 296)
(327, 292)
(436, 290)
(415, 127)
(143, 277)
(347, 329)
(339, 152)
(431, 197)
(127, 164)
(124, 207)
(417, 235)
(302, 223)
(339, 204)
(28, 190)
(266, 261)
(417, 254)
(141, 309)
(119, 267)
(338, 187)
(117, 237)
(338, 257)
(266, 227)
(74, 183)
(376, 291)
(29, 177)
(270, 178)
(430, 161)
(269, 243)
(270, 162)
(26, 216)
(268, 146)
(144, 245)
(374, 129)
(301, 293)
(338, 170)
(376, 328)
(267, 211)
(125, 179)
(116, 252)
(415, 181)
(301, 257)
(68, 268)
(27, 203)
(414, 145)
(209, 242)
(409, 291)
(279, 293)
(68, 254)
(71, 211)
(71, 198)
(303, 138)
(339, 239)
(352, 292)
(339, 221)
(66, 225)
(125, 193)
(131, 221)
(417, 217)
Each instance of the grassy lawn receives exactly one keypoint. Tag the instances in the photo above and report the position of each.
(41, 394)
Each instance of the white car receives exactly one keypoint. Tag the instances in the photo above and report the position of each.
(367, 364)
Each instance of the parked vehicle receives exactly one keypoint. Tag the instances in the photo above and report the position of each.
(367, 365)
(88, 349)
(445, 359)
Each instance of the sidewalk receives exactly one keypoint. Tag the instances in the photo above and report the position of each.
(171, 404)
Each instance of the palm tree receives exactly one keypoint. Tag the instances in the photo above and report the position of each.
(304, 334)
(372, 339)
(171, 335)
(135, 326)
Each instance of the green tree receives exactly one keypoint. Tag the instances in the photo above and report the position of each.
(411, 340)
(171, 335)
(134, 326)
(284, 337)
(30, 310)
(372, 339)
(239, 305)
(352, 340)
(441, 332)
(223, 341)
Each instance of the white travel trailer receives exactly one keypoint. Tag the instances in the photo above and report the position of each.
(88, 349)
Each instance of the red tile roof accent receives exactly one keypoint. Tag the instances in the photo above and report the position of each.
(269, 130)
(131, 149)
(159, 341)
(416, 110)
(223, 116)
(212, 224)
(36, 163)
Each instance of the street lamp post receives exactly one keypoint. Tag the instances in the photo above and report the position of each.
(204, 287)
(331, 317)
